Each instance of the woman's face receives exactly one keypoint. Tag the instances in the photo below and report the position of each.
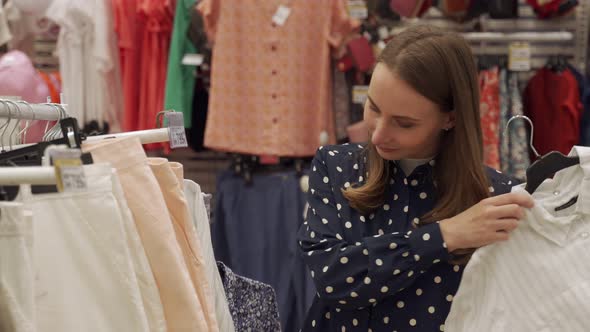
(402, 123)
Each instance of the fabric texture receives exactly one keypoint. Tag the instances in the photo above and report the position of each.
(200, 218)
(180, 79)
(158, 16)
(84, 276)
(150, 294)
(551, 99)
(17, 295)
(490, 115)
(551, 248)
(128, 26)
(170, 177)
(377, 271)
(341, 104)
(182, 308)
(504, 117)
(517, 133)
(88, 60)
(254, 233)
(252, 304)
(268, 104)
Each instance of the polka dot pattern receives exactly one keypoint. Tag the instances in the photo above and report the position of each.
(385, 262)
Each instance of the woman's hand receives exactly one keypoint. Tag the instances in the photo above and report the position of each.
(487, 222)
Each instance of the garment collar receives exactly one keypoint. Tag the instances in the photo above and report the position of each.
(552, 193)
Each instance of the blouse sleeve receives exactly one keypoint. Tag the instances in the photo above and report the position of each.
(210, 9)
(358, 274)
(341, 24)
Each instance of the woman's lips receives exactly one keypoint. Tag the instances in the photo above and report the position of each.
(387, 150)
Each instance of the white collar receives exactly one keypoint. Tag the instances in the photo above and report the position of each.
(552, 193)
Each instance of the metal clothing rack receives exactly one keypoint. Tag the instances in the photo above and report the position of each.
(45, 175)
(18, 110)
(566, 35)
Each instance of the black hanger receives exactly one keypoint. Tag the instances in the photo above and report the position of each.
(545, 167)
(32, 155)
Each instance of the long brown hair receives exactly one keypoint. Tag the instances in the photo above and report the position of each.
(440, 66)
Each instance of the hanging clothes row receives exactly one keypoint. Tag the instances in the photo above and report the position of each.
(500, 99)
(129, 250)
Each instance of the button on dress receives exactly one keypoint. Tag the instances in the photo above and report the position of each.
(376, 272)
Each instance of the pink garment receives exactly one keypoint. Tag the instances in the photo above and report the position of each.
(279, 101)
(170, 179)
(18, 77)
(181, 304)
(490, 115)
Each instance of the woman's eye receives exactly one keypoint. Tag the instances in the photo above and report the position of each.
(406, 125)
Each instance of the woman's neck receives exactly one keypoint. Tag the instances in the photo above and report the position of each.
(409, 165)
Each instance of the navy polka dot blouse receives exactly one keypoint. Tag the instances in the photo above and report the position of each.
(376, 272)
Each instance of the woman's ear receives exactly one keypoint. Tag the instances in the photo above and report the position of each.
(450, 120)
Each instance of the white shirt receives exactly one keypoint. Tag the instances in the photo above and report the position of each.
(538, 280)
(88, 60)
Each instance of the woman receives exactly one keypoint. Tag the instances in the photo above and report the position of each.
(391, 225)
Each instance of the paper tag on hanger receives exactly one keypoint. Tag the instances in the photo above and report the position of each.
(176, 131)
(359, 94)
(192, 59)
(281, 15)
(519, 56)
(69, 171)
(358, 9)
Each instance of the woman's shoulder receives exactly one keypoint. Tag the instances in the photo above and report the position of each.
(500, 182)
(343, 154)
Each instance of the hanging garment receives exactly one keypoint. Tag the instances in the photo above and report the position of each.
(5, 35)
(517, 133)
(552, 101)
(341, 101)
(150, 294)
(504, 117)
(376, 271)
(200, 218)
(157, 31)
(170, 177)
(84, 275)
(180, 80)
(196, 134)
(182, 308)
(254, 232)
(88, 60)
(128, 25)
(490, 115)
(253, 304)
(279, 101)
(538, 279)
(585, 117)
(17, 285)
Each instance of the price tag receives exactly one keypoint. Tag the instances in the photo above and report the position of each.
(192, 59)
(176, 131)
(359, 94)
(281, 15)
(519, 58)
(358, 9)
(69, 171)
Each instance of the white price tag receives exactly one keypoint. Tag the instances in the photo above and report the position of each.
(281, 15)
(358, 9)
(359, 94)
(176, 132)
(192, 59)
(519, 58)
(69, 171)
(73, 178)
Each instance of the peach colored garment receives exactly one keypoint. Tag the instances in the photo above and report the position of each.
(271, 90)
(182, 307)
(169, 176)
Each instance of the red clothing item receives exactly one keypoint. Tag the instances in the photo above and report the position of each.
(128, 26)
(552, 101)
(490, 115)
